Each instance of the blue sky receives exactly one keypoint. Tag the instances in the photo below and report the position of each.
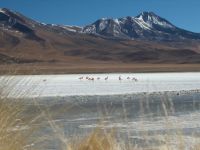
(183, 13)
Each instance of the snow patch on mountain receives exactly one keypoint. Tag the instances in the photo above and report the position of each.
(143, 24)
(103, 24)
(90, 29)
(117, 21)
(150, 18)
(72, 28)
(2, 11)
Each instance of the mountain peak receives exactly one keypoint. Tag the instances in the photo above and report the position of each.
(2, 10)
(147, 25)
(154, 20)
(147, 16)
(147, 13)
(151, 13)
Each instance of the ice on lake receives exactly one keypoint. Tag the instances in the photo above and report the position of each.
(121, 103)
(69, 85)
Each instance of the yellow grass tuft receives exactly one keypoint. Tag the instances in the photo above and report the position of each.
(98, 140)
(13, 128)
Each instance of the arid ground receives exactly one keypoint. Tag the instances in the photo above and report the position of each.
(66, 68)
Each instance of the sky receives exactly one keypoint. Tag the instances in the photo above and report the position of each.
(182, 13)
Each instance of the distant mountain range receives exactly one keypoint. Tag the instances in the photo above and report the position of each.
(146, 38)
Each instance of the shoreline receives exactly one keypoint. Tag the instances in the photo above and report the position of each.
(123, 95)
(47, 69)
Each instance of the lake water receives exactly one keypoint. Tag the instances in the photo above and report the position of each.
(142, 112)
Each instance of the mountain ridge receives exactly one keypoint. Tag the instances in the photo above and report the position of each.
(146, 25)
(144, 39)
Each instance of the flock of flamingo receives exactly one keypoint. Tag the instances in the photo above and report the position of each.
(106, 78)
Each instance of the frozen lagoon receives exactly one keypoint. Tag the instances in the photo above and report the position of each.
(70, 85)
(133, 108)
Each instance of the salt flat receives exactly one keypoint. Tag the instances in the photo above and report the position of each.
(71, 85)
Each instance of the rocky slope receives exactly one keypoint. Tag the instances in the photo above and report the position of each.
(145, 39)
(147, 25)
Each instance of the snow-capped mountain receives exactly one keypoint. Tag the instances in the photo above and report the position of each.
(147, 25)
(146, 38)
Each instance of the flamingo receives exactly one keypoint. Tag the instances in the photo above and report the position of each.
(120, 78)
(106, 78)
(81, 78)
(134, 79)
(91, 79)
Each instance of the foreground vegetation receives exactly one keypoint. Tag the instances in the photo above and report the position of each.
(18, 132)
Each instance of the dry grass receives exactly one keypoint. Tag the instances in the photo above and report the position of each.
(15, 133)
(14, 130)
(12, 125)
(98, 140)
(106, 141)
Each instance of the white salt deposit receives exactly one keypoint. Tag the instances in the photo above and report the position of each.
(68, 85)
